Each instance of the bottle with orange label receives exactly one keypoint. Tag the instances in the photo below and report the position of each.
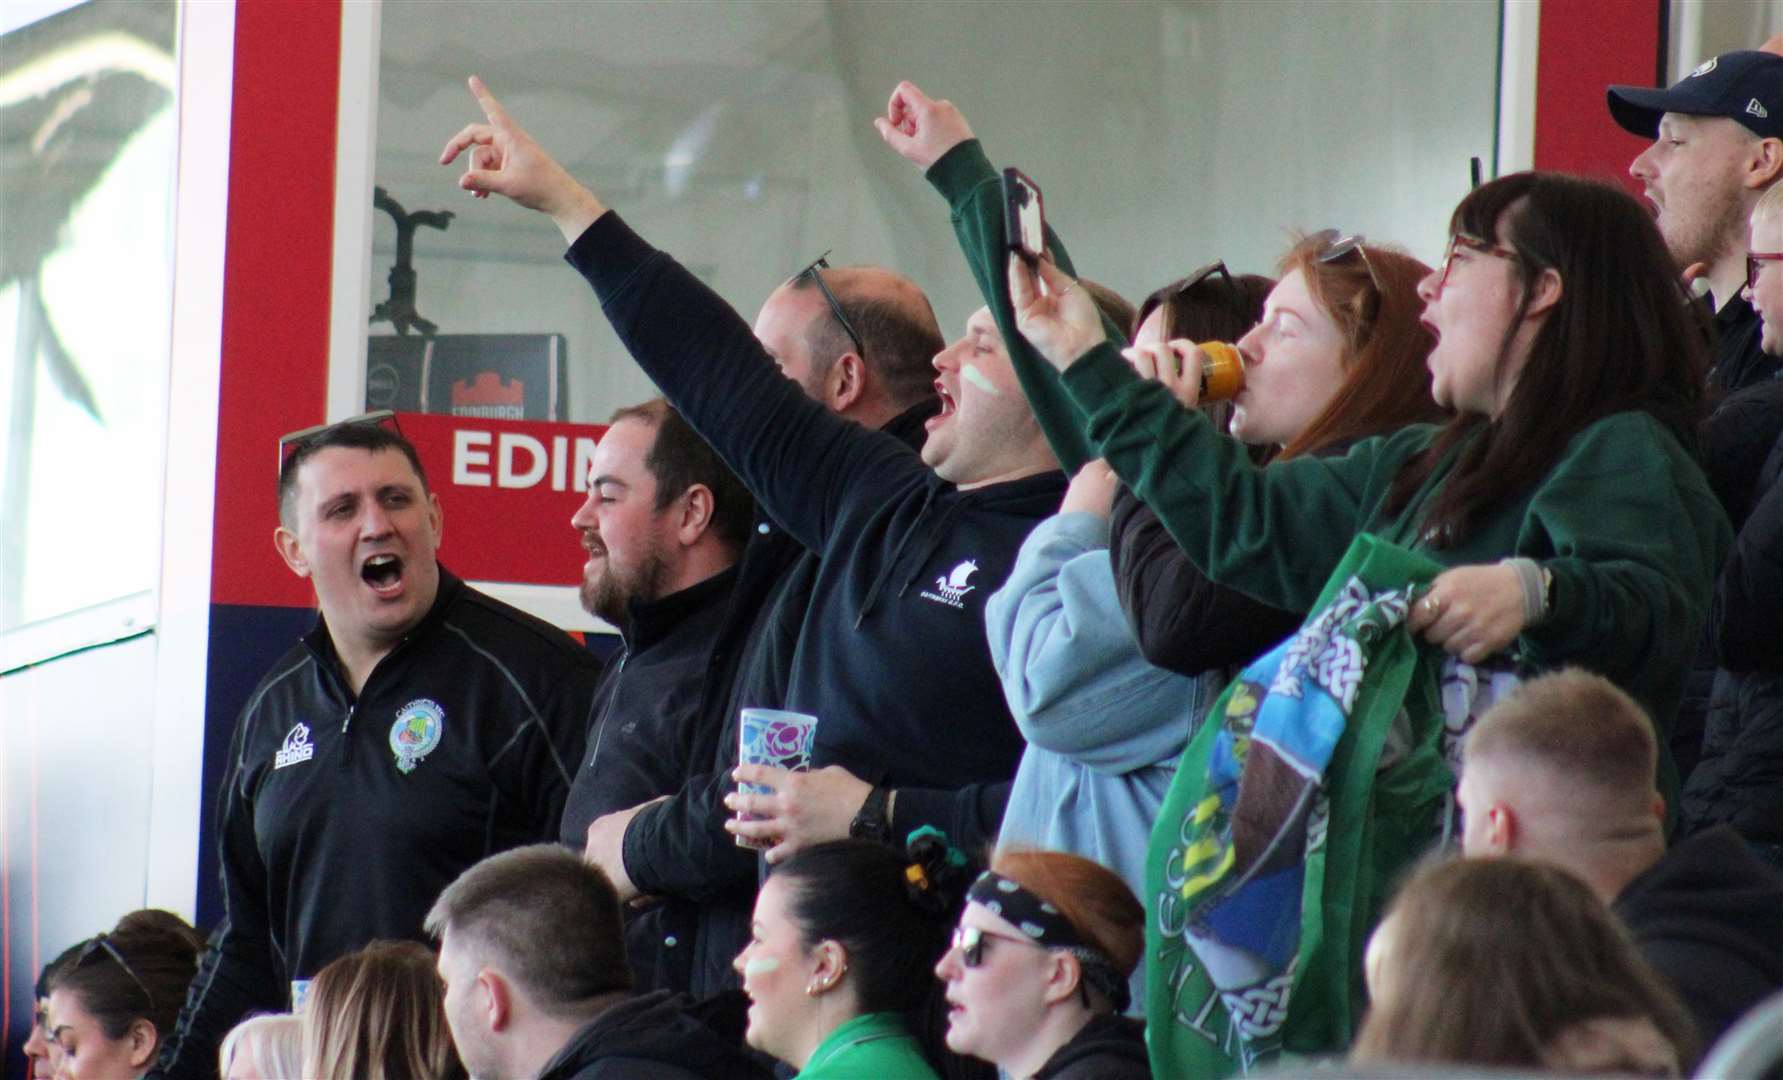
(1222, 372)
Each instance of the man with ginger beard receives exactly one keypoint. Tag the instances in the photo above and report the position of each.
(420, 727)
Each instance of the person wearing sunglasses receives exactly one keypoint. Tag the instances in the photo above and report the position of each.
(837, 968)
(114, 998)
(1742, 750)
(1102, 725)
(1038, 970)
(418, 727)
(1337, 357)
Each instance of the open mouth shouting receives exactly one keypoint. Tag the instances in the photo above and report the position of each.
(948, 405)
(383, 572)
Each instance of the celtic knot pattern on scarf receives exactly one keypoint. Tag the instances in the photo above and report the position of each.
(1330, 647)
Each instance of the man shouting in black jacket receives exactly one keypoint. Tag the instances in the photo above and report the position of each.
(418, 728)
(892, 657)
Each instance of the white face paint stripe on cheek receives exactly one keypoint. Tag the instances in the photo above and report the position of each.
(971, 374)
(761, 965)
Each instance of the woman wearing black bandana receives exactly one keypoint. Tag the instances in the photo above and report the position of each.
(1037, 978)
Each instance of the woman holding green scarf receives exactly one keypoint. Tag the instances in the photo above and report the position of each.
(1563, 499)
(1560, 518)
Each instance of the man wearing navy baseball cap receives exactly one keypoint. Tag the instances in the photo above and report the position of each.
(1718, 144)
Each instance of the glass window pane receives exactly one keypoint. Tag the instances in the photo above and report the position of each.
(87, 130)
(738, 136)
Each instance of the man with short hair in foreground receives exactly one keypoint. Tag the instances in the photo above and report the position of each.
(532, 953)
(1561, 771)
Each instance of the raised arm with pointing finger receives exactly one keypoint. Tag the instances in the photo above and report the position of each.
(892, 657)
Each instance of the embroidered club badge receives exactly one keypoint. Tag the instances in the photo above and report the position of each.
(416, 732)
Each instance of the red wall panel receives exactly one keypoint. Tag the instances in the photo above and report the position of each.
(1585, 46)
(279, 269)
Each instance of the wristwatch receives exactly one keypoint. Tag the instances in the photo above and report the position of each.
(872, 822)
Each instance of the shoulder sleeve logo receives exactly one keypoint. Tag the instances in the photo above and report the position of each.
(416, 732)
(296, 747)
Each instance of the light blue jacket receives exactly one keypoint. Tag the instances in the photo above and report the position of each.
(1104, 727)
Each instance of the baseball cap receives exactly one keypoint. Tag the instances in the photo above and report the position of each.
(1746, 86)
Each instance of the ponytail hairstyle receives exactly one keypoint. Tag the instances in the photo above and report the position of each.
(1623, 337)
(139, 970)
(379, 1014)
(1374, 301)
(892, 914)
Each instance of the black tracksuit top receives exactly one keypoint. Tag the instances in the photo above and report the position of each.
(328, 841)
(892, 656)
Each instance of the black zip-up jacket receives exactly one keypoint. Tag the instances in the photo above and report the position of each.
(658, 1036)
(678, 849)
(1740, 778)
(654, 726)
(649, 732)
(892, 657)
(342, 817)
(1709, 917)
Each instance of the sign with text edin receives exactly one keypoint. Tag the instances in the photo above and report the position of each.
(507, 489)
